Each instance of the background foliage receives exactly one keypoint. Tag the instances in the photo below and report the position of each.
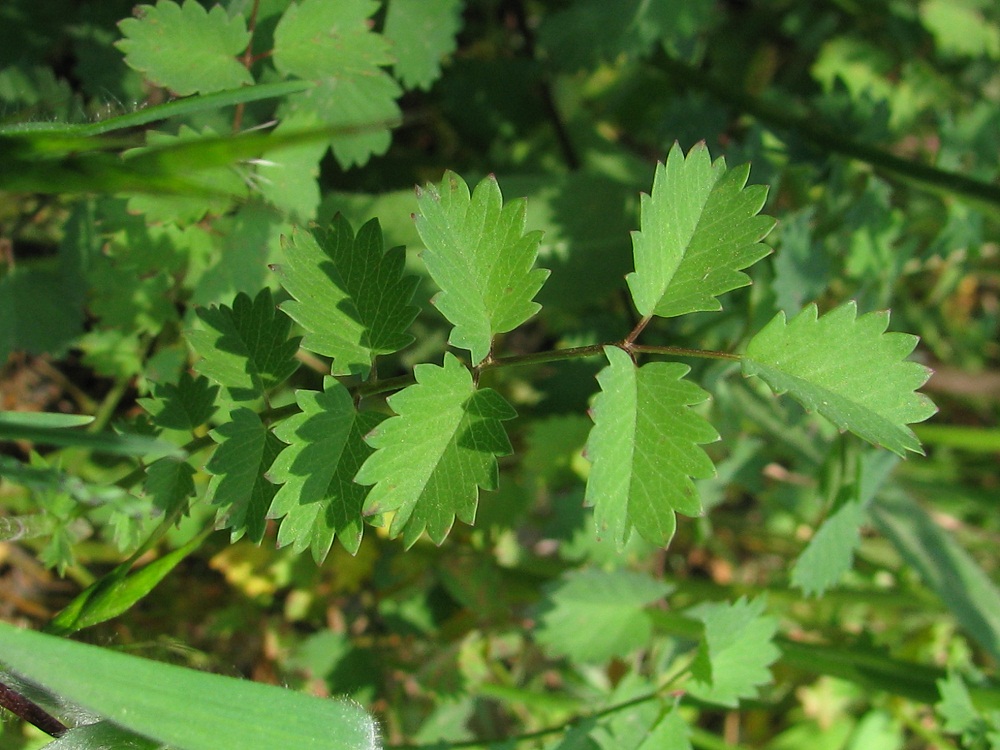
(156, 272)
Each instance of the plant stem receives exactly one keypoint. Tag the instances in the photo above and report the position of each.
(506, 741)
(828, 139)
(17, 704)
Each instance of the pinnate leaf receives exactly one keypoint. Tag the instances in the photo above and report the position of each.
(644, 448)
(421, 32)
(169, 483)
(593, 615)
(480, 256)
(333, 44)
(735, 653)
(350, 294)
(246, 450)
(185, 406)
(186, 48)
(245, 348)
(848, 369)
(432, 458)
(319, 499)
(699, 229)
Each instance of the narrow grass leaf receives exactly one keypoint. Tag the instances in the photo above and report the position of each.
(944, 566)
(184, 708)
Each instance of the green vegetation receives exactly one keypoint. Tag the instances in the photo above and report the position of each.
(604, 438)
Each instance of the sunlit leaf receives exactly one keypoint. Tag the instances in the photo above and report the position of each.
(432, 458)
(422, 32)
(480, 256)
(184, 708)
(350, 294)
(848, 369)
(700, 228)
(186, 48)
(735, 653)
(318, 499)
(334, 45)
(645, 449)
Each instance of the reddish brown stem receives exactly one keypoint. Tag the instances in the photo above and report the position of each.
(17, 704)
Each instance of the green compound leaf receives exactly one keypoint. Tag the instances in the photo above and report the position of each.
(185, 406)
(699, 229)
(848, 369)
(246, 450)
(186, 48)
(333, 44)
(735, 653)
(246, 348)
(422, 32)
(319, 499)
(183, 708)
(431, 459)
(644, 448)
(481, 258)
(350, 294)
(593, 615)
(169, 483)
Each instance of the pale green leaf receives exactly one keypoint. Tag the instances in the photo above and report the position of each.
(185, 406)
(245, 348)
(350, 294)
(318, 499)
(700, 228)
(432, 458)
(184, 708)
(246, 450)
(317, 38)
(593, 615)
(186, 48)
(671, 733)
(848, 369)
(334, 45)
(422, 32)
(480, 256)
(960, 28)
(956, 706)
(735, 652)
(644, 448)
(830, 552)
